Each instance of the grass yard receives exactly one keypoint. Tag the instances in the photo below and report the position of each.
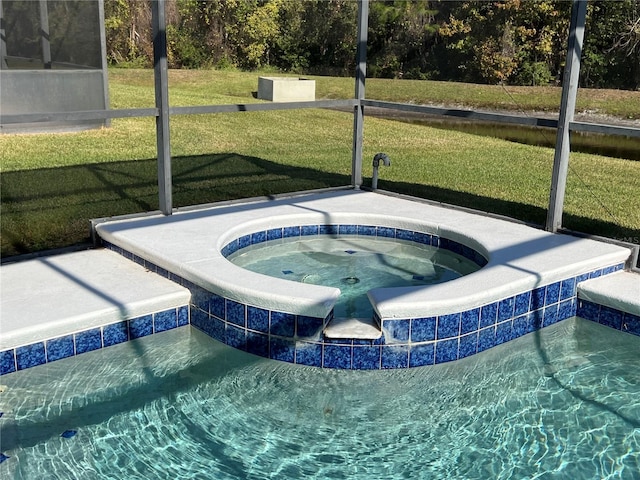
(52, 184)
(134, 88)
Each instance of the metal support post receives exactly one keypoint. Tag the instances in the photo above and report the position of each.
(567, 110)
(161, 75)
(3, 40)
(44, 34)
(103, 56)
(358, 110)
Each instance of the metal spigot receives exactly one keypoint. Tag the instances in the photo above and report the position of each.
(386, 161)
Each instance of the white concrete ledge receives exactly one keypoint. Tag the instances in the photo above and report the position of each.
(620, 290)
(520, 257)
(357, 328)
(53, 296)
(228, 280)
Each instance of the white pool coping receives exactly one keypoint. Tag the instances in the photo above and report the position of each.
(520, 257)
(620, 291)
(47, 297)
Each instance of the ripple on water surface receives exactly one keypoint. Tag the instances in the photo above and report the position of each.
(561, 403)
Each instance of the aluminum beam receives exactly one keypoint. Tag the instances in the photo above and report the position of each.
(161, 75)
(3, 40)
(154, 112)
(45, 35)
(358, 109)
(78, 115)
(567, 109)
(464, 114)
(103, 55)
(260, 107)
(605, 129)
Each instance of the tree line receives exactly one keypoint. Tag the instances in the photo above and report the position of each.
(519, 42)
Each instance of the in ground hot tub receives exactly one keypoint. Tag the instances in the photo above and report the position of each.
(354, 259)
(528, 279)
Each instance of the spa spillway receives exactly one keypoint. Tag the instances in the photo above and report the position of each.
(503, 279)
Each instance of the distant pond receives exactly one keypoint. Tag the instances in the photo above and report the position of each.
(607, 145)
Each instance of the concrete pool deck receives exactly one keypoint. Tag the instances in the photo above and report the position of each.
(49, 297)
(620, 291)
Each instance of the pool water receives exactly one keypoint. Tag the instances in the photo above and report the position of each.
(563, 402)
(354, 264)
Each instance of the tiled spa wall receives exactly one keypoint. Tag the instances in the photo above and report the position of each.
(611, 317)
(359, 230)
(405, 343)
(458, 335)
(39, 353)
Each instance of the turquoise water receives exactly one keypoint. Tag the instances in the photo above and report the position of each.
(560, 403)
(354, 264)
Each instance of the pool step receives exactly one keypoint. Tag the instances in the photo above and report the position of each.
(619, 291)
(353, 328)
(51, 305)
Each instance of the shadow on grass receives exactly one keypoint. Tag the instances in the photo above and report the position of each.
(51, 208)
(528, 213)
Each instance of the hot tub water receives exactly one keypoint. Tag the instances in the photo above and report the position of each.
(354, 264)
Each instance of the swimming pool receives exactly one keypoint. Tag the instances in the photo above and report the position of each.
(561, 402)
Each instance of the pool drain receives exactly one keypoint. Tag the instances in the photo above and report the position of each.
(350, 280)
(312, 278)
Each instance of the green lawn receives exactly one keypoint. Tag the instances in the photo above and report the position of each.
(135, 88)
(51, 185)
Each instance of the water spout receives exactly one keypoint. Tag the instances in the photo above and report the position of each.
(386, 161)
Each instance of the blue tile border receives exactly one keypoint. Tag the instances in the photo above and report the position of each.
(611, 317)
(52, 349)
(140, 327)
(366, 357)
(30, 355)
(61, 347)
(336, 230)
(468, 345)
(309, 354)
(88, 340)
(405, 342)
(422, 355)
(8, 362)
(394, 356)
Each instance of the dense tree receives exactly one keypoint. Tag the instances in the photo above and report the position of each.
(289, 52)
(329, 35)
(498, 41)
(509, 41)
(128, 32)
(612, 45)
(401, 37)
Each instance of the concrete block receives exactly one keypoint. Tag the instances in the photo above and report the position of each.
(286, 89)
